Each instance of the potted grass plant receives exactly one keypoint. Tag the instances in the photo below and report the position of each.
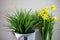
(47, 21)
(22, 22)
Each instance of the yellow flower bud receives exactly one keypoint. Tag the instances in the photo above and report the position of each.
(53, 7)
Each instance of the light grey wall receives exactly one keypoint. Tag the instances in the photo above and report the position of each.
(8, 6)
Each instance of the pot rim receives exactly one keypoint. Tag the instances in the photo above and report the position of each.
(25, 33)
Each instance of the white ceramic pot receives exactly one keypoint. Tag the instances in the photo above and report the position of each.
(30, 36)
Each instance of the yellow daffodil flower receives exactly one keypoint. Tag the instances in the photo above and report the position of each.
(41, 13)
(46, 9)
(45, 17)
(53, 7)
(46, 13)
(55, 18)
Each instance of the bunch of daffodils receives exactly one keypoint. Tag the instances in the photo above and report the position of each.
(47, 22)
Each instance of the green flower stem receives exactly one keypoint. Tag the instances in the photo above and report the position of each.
(50, 31)
(44, 23)
(43, 29)
(50, 35)
(51, 11)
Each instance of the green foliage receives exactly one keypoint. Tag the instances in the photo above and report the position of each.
(23, 21)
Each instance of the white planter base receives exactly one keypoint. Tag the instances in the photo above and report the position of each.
(30, 36)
